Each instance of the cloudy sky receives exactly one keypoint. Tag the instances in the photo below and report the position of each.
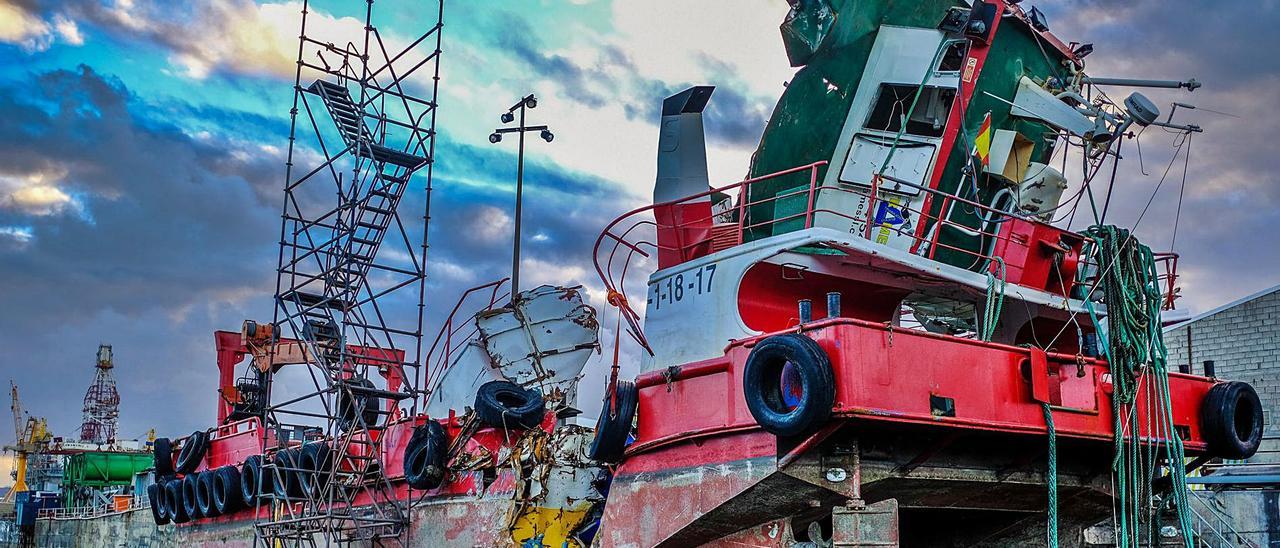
(141, 157)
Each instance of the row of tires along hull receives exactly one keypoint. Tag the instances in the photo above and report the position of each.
(788, 385)
(302, 472)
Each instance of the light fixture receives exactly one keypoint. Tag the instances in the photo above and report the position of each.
(1038, 20)
(495, 137)
(547, 135)
(530, 102)
(507, 117)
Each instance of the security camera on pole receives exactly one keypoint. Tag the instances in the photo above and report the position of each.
(509, 116)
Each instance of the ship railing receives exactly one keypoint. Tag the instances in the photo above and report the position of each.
(1167, 276)
(455, 332)
(1212, 526)
(633, 237)
(95, 511)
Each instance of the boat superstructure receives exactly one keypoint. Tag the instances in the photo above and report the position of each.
(885, 321)
(891, 333)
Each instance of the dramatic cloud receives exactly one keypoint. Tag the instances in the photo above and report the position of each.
(29, 31)
(161, 238)
(1232, 188)
(140, 198)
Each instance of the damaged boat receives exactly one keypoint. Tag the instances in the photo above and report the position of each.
(888, 335)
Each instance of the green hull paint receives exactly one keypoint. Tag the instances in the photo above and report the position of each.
(103, 469)
(806, 123)
(1013, 54)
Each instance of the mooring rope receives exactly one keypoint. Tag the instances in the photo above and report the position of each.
(1051, 477)
(995, 300)
(1135, 352)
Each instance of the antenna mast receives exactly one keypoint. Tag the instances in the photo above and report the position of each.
(101, 402)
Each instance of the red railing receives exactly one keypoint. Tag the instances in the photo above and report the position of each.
(635, 233)
(622, 234)
(1167, 274)
(448, 340)
(619, 235)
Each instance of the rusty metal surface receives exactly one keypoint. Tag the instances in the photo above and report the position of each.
(542, 339)
(862, 526)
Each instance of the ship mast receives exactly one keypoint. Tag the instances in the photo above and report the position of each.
(101, 402)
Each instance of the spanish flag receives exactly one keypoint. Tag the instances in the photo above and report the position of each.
(982, 144)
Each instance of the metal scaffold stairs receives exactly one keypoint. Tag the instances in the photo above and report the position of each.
(350, 281)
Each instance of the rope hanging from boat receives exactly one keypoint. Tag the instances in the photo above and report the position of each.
(1051, 477)
(995, 300)
(1134, 347)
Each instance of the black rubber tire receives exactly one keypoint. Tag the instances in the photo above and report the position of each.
(161, 500)
(252, 481)
(504, 404)
(162, 451)
(285, 478)
(158, 511)
(1231, 420)
(614, 426)
(174, 502)
(424, 456)
(351, 406)
(762, 384)
(190, 496)
(226, 490)
(316, 460)
(192, 452)
(204, 495)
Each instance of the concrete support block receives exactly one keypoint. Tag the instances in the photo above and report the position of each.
(859, 525)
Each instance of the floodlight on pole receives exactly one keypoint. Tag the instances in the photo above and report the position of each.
(525, 103)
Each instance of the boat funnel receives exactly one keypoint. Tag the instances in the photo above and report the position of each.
(684, 223)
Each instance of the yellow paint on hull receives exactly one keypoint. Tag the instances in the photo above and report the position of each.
(549, 527)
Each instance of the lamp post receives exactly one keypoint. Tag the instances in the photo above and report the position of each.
(525, 103)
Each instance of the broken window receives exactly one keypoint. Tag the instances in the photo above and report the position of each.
(953, 58)
(894, 100)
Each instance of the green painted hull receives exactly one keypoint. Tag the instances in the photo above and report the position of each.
(806, 123)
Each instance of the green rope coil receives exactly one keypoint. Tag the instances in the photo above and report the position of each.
(1134, 347)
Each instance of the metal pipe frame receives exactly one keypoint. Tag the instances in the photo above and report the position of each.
(335, 223)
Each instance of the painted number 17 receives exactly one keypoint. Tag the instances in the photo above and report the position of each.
(694, 282)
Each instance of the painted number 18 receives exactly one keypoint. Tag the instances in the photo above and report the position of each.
(695, 282)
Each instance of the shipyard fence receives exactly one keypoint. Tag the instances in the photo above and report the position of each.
(96, 511)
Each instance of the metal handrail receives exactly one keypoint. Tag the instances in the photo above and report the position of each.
(734, 231)
(438, 363)
(90, 512)
(1221, 530)
(605, 272)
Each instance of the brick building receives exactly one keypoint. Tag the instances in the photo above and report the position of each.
(1237, 341)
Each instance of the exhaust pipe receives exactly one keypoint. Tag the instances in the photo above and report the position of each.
(684, 228)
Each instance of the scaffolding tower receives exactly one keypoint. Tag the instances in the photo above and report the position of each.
(101, 402)
(351, 276)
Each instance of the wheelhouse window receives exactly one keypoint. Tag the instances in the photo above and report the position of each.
(894, 100)
(953, 58)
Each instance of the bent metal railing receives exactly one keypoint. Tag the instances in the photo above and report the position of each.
(633, 235)
(450, 339)
(622, 234)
